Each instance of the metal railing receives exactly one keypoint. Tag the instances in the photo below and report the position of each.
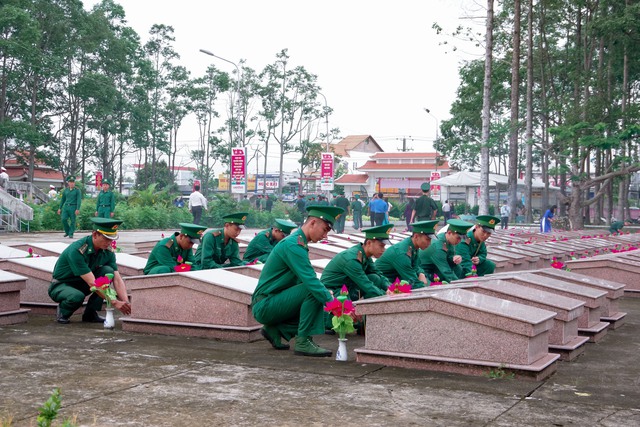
(14, 213)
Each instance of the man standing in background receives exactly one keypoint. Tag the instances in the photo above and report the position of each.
(197, 202)
(70, 207)
(106, 202)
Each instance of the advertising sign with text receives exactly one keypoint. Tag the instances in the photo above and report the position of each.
(326, 172)
(435, 189)
(238, 170)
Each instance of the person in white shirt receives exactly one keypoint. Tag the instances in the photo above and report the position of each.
(505, 211)
(52, 192)
(4, 177)
(197, 202)
(446, 211)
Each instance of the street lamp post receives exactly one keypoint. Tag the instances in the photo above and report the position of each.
(207, 52)
(435, 145)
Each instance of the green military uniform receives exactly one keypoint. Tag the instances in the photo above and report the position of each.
(164, 255)
(341, 202)
(106, 202)
(358, 272)
(401, 261)
(79, 258)
(469, 247)
(214, 253)
(425, 206)
(616, 226)
(438, 257)
(263, 243)
(356, 211)
(289, 297)
(69, 204)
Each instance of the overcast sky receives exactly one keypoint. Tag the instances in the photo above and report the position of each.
(379, 63)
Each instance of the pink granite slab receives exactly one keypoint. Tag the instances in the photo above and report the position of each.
(44, 248)
(38, 272)
(212, 303)
(10, 287)
(610, 267)
(7, 252)
(457, 324)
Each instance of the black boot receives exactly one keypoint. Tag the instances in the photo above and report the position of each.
(91, 316)
(60, 318)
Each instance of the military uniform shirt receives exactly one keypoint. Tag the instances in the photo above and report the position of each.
(166, 253)
(425, 206)
(356, 206)
(353, 268)
(82, 258)
(213, 253)
(468, 248)
(260, 246)
(401, 261)
(106, 199)
(438, 259)
(287, 266)
(71, 198)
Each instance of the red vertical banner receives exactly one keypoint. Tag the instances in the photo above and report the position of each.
(435, 189)
(326, 172)
(98, 179)
(238, 170)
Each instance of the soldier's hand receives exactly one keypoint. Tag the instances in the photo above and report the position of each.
(475, 260)
(422, 278)
(58, 211)
(457, 259)
(77, 212)
(123, 307)
(95, 213)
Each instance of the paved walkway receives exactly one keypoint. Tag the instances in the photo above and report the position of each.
(117, 378)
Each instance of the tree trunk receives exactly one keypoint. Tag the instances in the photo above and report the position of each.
(514, 125)
(529, 130)
(486, 114)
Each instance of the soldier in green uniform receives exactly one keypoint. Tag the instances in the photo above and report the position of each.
(401, 260)
(289, 299)
(78, 267)
(616, 226)
(220, 245)
(164, 256)
(440, 258)
(341, 202)
(356, 211)
(473, 249)
(354, 267)
(106, 202)
(70, 207)
(261, 246)
(425, 207)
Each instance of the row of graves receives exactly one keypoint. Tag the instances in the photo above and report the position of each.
(550, 296)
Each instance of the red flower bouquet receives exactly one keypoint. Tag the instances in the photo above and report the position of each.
(182, 266)
(342, 309)
(102, 284)
(400, 287)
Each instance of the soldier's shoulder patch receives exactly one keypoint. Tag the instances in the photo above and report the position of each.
(216, 233)
(467, 240)
(82, 249)
(268, 235)
(410, 252)
(301, 242)
(359, 257)
(444, 247)
(169, 243)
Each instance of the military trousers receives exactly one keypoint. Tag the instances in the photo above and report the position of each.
(68, 216)
(70, 294)
(104, 211)
(486, 267)
(294, 312)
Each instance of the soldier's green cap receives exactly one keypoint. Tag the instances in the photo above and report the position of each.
(459, 226)
(380, 232)
(193, 231)
(236, 218)
(71, 178)
(108, 227)
(425, 186)
(106, 181)
(327, 213)
(425, 227)
(284, 225)
(488, 222)
(357, 196)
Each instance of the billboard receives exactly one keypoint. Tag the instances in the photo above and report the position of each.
(435, 189)
(326, 172)
(238, 170)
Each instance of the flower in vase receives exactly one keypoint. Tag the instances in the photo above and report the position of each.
(474, 271)
(400, 287)
(182, 266)
(102, 285)
(436, 281)
(343, 311)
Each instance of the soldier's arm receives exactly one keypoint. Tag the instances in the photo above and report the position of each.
(446, 273)
(464, 250)
(234, 256)
(353, 270)
(209, 244)
(298, 261)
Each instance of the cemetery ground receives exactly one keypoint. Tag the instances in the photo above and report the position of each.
(122, 378)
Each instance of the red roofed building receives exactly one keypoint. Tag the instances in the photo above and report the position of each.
(395, 173)
(43, 175)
